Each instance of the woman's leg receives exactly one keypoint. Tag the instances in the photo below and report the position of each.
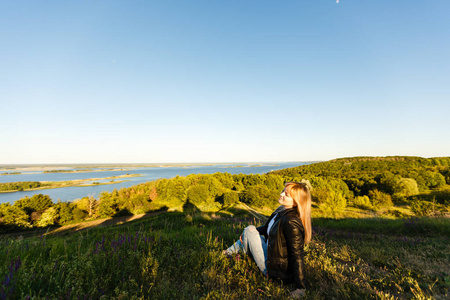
(235, 248)
(254, 244)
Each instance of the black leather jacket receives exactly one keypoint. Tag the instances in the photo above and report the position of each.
(285, 253)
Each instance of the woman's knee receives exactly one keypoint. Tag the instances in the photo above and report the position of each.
(250, 230)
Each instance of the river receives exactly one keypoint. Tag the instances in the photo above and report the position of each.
(148, 174)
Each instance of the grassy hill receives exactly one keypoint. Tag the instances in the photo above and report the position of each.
(363, 252)
(177, 255)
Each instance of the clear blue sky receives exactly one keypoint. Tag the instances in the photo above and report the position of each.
(223, 81)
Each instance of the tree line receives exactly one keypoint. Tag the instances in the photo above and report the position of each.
(364, 182)
(19, 186)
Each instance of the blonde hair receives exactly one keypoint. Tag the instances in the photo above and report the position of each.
(302, 198)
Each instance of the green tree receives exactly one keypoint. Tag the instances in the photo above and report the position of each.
(137, 204)
(37, 203)
(213, 185)
(387, 182)
(274, 182)
(406, 187)
(252, 180)
(230, 198)
(49, 217)
(15, 216)
(434, 180)
(88, 204)
(108, 205)
(225, 179)
(330, 199)
(78, 213)
(199, 194)
(64, 211)
(380, 199)
(260, 196)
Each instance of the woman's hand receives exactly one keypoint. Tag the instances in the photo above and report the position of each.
(298, 293)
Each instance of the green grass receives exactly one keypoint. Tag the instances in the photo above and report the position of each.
(178, 256)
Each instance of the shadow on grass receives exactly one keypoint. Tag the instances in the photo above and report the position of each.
(189, 207)
(406, 226)
(440, 196)
(124, 217)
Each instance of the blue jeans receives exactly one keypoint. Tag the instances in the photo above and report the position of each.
(254, 244)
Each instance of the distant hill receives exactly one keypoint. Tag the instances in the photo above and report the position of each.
(351, 166)
(424, 170)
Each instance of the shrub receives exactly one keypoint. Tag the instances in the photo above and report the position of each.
(427, 208)
(406, 187)
(330, 194)
(380, 199)
(362, 202)
(422, 208)
(331, 202)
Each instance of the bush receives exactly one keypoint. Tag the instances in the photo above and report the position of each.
(406, 187)
(380, 199)
(331, 202)
(427, 208)
(422, 208)
(330, 194)
(362, 202)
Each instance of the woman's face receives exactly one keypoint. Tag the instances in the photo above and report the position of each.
(285, 199)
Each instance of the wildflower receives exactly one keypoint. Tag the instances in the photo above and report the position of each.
(7, 286)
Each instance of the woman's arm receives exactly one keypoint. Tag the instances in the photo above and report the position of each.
(294, 235)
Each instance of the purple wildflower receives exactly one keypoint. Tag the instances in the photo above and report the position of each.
(7, 287)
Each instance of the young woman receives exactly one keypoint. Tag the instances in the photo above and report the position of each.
(277, 247)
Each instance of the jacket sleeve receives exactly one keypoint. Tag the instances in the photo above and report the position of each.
(294, 234)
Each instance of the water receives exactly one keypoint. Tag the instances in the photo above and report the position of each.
(149, 174)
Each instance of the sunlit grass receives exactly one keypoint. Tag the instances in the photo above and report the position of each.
(178, 256)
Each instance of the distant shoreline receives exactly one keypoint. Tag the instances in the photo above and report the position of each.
(79, 168)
